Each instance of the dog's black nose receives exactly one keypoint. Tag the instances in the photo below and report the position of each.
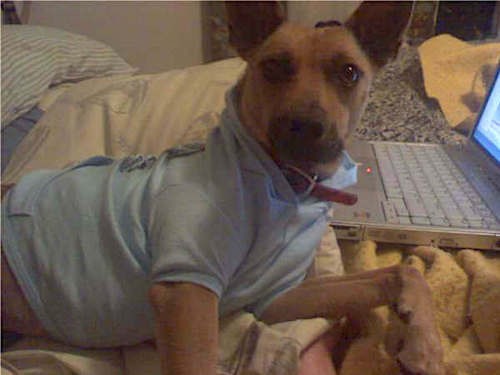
(305, 128)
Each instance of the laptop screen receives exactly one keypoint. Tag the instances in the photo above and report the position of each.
(487, 130)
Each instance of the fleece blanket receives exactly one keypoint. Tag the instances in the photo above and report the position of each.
(466, 293)
(458, 75)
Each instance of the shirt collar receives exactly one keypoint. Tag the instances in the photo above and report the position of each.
(261, 162)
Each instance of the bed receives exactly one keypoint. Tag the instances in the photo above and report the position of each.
(66, 97)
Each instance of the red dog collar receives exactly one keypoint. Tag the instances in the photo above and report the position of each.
(305, 185)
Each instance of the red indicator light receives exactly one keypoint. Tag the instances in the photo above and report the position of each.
(368, 170)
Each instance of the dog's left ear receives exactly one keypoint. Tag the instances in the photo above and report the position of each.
(379, 27)
(251, 22)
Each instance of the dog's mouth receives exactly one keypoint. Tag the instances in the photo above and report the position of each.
(307, 156)
(303, 143)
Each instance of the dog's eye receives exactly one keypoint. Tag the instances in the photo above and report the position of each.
(278, 70)
(349, 74)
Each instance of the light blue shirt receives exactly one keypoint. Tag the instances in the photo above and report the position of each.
(86, 243)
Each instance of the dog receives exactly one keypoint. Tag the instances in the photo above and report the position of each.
(198, 248)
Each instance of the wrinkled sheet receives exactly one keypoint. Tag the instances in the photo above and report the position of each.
(119, 116)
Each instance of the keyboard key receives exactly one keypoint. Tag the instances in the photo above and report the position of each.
(436, 212)
(447, 201)
(492, 223)
(426, 193)
(472, 193)
(420, 220)
(476, 224)
(400, 207)
(495, 226)
(442, 193)
(390, 212)
(411, 195)
(439, 221)
(404, 220)
(476, 200)
(459, 195)
(470, 213)
(394, 192)
(415, 207)
(452, 212)
(459, 223)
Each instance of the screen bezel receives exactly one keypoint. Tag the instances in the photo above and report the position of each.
(478, 120)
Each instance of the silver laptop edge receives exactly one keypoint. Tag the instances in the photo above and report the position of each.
(366, 220)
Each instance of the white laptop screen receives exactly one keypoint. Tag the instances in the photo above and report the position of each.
(487, 130)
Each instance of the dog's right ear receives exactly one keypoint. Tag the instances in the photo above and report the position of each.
(251, 22)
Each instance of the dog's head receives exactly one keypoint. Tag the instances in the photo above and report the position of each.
(305, 89)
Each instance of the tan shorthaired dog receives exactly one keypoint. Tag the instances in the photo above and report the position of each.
(301, 96)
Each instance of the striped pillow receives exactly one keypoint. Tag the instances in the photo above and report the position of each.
(35, 58)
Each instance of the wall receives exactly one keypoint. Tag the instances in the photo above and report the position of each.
(310, 12)
(154, 36)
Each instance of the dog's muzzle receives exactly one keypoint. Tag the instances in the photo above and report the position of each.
(304, 139)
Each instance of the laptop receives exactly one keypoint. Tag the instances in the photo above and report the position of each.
(429, 194)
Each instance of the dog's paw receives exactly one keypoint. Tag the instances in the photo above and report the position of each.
(415, 294)
(422, 353)
(403, 370)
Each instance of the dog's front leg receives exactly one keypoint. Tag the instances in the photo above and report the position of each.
(334, 297)
(402, 287)
(186, 318)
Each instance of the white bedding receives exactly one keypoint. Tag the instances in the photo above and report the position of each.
(119, 116)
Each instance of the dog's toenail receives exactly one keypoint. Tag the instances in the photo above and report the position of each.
(403, 370)
(405, 315)
(296, 126)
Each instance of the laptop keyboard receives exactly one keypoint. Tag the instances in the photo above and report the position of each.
(424, 187)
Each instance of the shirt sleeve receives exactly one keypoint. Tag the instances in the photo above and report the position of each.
(191, 240)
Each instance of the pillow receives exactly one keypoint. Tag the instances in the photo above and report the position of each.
(36, 57)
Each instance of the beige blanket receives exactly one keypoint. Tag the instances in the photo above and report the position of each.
(120, 116)
(466, 290)
(458, 74)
